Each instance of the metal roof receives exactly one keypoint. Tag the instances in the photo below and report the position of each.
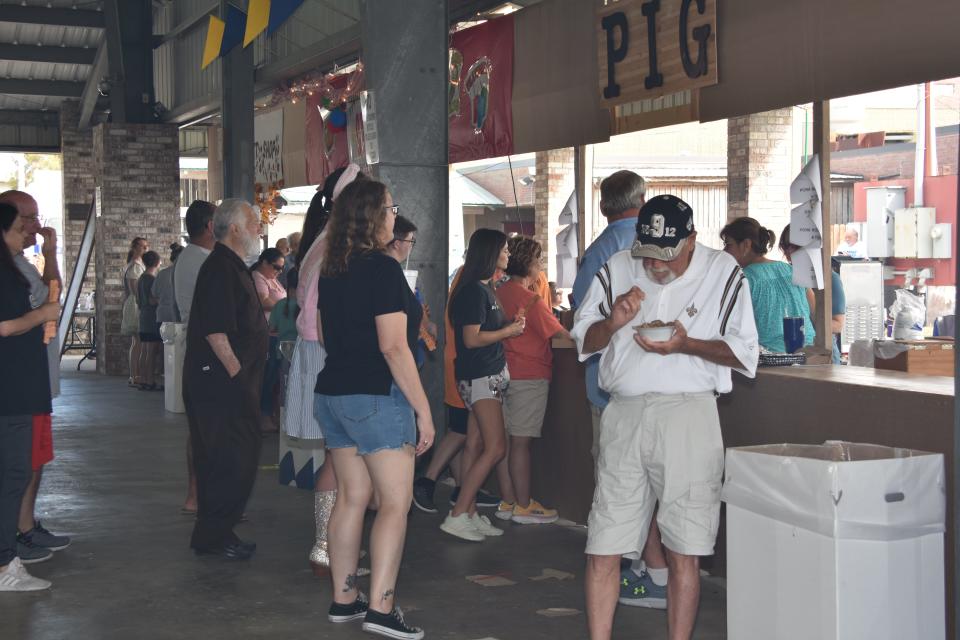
(41, 64)
(470, 194)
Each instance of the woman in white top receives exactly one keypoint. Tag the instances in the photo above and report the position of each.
(308, 358)
(130, 322)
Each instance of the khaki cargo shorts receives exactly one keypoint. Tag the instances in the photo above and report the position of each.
(525, 406)
(656, 447)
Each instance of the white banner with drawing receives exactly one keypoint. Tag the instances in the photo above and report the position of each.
(268, 147)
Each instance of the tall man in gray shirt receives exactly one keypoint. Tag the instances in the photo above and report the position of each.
(199, 221)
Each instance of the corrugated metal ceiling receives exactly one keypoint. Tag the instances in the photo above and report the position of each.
(23, 34)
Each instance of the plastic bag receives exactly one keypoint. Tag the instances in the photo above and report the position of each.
(909, 314)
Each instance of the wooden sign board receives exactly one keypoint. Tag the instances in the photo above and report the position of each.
(651, 48)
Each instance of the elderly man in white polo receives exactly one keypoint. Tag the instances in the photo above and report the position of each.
(660, 435)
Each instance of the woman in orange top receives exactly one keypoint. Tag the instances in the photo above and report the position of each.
(530, 360)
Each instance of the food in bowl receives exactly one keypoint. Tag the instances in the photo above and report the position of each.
(655, 331)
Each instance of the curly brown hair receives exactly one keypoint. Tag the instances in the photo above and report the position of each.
(524, 252)
(357, 217)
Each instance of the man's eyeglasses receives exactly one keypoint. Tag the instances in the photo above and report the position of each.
(35, 218)
(395, 209)
(412, 241)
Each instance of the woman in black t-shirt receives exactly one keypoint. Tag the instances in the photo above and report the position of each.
(479, 327)
(26, 392)
(369, 400)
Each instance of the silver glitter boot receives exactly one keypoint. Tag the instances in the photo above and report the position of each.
(323, 507)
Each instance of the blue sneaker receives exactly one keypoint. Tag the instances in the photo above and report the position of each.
(640, 591)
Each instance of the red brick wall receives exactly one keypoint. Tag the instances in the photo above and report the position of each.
(894, 159)
(554, 184)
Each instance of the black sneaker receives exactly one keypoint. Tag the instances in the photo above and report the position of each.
(487, 500)
(41, 537)
(484, 499)
(390, 625)
(30, 553)
(423, 489)
(347, 612)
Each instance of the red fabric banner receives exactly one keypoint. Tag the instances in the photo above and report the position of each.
(481, 91)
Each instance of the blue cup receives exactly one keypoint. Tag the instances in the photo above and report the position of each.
(793, 333)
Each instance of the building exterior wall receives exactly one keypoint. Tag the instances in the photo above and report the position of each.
(760, 166)
(137, 170)
(77, 164)
(553, 186)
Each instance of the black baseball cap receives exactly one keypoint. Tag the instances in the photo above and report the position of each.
(663, 226)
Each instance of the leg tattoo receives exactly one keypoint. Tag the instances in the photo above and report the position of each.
(350, 583)
(386, 595)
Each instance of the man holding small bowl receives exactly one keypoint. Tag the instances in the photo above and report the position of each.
(671, 319)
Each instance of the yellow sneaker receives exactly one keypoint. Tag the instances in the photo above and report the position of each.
(505, 510)
(534, 513)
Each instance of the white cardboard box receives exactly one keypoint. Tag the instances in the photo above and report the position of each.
(834, 542)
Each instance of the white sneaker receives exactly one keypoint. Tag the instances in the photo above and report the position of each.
(16, 578)
(462, 527)
(482, 524)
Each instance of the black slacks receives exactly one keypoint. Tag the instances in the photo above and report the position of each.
(224, 418)
(16, 433)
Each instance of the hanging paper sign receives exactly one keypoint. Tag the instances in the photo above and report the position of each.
(268, 148)
(806, 226)
(355, 141)
(371, 143)
(480, 94)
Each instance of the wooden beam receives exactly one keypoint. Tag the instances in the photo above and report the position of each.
(823, 318)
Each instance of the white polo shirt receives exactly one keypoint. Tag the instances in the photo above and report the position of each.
(712, 301)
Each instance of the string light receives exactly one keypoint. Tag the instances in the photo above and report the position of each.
(323, 84)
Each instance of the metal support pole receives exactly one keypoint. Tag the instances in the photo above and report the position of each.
(405, 63)
(237, 111)
(821, 146)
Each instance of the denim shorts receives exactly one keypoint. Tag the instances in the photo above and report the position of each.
(368, 422)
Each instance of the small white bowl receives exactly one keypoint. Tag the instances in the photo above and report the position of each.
(655, 334)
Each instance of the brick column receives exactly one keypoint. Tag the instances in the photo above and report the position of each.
(137, 170)
(554, 184)
(760, 167)
(76, 149)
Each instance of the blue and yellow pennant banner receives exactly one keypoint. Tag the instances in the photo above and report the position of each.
(269, 15)
(222, 36)
(240, 27)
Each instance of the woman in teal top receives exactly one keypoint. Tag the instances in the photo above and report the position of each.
(772, 290)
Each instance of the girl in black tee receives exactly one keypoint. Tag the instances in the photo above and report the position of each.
(480, 367)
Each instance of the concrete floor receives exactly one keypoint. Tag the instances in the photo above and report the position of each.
(117, 484)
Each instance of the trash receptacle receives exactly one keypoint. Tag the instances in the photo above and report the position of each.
(838, 541)
(174, 336)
